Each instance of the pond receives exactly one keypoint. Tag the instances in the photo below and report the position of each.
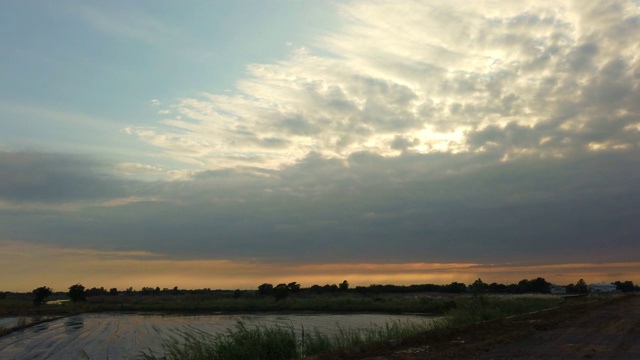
(126, 335)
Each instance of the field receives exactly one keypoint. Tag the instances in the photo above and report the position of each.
(458, 309)
(381, 303)
(470, 326)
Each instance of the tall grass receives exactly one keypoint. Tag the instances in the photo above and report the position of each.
(483, 308)
(276, 342)
(283, 342)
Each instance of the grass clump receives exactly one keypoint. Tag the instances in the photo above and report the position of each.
(283, 342)
(351, 338)
(482, 308)
(240, 343)
(275, 342)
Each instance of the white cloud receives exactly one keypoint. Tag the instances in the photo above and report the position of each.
(437, 73)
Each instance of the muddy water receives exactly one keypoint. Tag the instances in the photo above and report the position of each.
(124, 336)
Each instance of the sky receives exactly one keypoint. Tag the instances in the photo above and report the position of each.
(225, 144)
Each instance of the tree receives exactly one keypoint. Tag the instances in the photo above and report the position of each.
(540, 285)
(294, 287)
(40, 294)
(77, 293)
(265, 289)
(479, 286)
(94, 291)
(455, 287)
(281, 291)
(581, 287)
(626, 286)
(344, 286)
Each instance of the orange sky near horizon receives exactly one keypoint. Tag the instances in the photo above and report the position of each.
(32, 266)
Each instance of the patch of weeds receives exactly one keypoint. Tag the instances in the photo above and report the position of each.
(276, 342)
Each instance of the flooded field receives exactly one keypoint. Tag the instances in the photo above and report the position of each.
(124, 336)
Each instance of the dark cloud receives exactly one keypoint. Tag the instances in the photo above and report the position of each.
(401, 143)
(439, 207)
(50, 177)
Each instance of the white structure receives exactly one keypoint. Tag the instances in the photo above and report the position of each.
(602, 287)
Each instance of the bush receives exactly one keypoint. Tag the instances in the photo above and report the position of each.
(40, 294)
(77, 293)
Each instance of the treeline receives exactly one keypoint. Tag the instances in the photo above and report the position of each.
(524, 286)
(78, 293)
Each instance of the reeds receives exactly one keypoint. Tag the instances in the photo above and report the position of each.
(486, 307)
(283, 342)
(276, 342)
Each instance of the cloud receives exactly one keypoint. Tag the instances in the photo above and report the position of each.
(442, 75)
(483, 132)
(45, 177)
(468, 207)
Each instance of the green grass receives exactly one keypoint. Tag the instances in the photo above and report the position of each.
(276, 342)
(280, 342)
(483, 308)
(349, 303)
(241, 343)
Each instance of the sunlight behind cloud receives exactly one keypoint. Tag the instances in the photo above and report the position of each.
(443, 76)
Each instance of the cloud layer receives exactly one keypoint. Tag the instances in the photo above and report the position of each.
(533, 78)
(417, 132)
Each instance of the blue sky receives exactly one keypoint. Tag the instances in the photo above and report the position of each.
(76, 73)
(387, 141)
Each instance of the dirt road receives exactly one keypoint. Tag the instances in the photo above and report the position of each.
(608, 332)
(604, 329)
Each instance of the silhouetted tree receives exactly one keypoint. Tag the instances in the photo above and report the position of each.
(281, 291)
(626, 286)
(40, 294)
(524, 286)
(540, 285)
(455, 287)
(77, 293)
(96, 292)
(497, 288)
(479, 287)
(113, 291)
(265, 289)
(294, 287)
(581, 287)
(344, 286)
(329, 288)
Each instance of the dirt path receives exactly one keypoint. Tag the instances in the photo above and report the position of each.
(604, 329)
(608, 332)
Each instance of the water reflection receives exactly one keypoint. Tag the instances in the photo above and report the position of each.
(123, 335)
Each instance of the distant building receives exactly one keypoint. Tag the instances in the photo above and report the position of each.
(602, 287)
(558, 289)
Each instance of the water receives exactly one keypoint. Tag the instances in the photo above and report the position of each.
(124, 336)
